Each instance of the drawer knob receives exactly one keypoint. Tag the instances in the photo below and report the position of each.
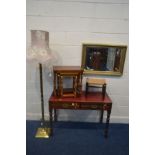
(73, 104)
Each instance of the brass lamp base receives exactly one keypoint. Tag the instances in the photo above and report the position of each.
(43, 133)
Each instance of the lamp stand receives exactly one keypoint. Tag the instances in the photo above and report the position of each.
(42, 132)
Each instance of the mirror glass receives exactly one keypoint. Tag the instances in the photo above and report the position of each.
(103, 59)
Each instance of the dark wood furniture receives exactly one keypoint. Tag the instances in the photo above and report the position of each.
(93, 101)
(61, 72)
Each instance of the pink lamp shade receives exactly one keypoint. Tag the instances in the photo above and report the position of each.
(39, 50)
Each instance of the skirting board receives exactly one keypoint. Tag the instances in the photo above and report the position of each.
(113, 119)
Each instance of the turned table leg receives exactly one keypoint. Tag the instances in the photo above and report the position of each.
(51, 117)
(54, 83)
(55, 115)
(107, 123)
(101, 115)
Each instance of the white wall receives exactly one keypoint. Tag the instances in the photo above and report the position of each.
(70, 23)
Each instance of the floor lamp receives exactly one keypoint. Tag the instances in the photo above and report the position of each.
(40, 53)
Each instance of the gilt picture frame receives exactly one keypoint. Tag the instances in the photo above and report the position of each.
(103, 59)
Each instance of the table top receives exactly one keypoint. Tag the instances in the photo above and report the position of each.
(92, 97)
(96, 81)
(67, 68)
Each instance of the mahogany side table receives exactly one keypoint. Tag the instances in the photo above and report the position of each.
(93, 101)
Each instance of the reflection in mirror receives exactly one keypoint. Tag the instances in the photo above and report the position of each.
(103, 59)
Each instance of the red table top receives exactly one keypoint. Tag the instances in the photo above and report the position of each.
(92, 97)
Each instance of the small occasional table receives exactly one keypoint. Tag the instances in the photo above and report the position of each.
(73, 72)
(93, 101)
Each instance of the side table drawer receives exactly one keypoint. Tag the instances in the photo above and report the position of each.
(91, 106)
(65, 105)
(84, 106)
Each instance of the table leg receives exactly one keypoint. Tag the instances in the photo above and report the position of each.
(51, 117)
(103, 90)
(86, 91)
(58, 85)
(55, 115)
(61, 86)
(54, 83)
(107, 123)
(101, 115)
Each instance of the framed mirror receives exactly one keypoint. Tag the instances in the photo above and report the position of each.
(103, 59)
